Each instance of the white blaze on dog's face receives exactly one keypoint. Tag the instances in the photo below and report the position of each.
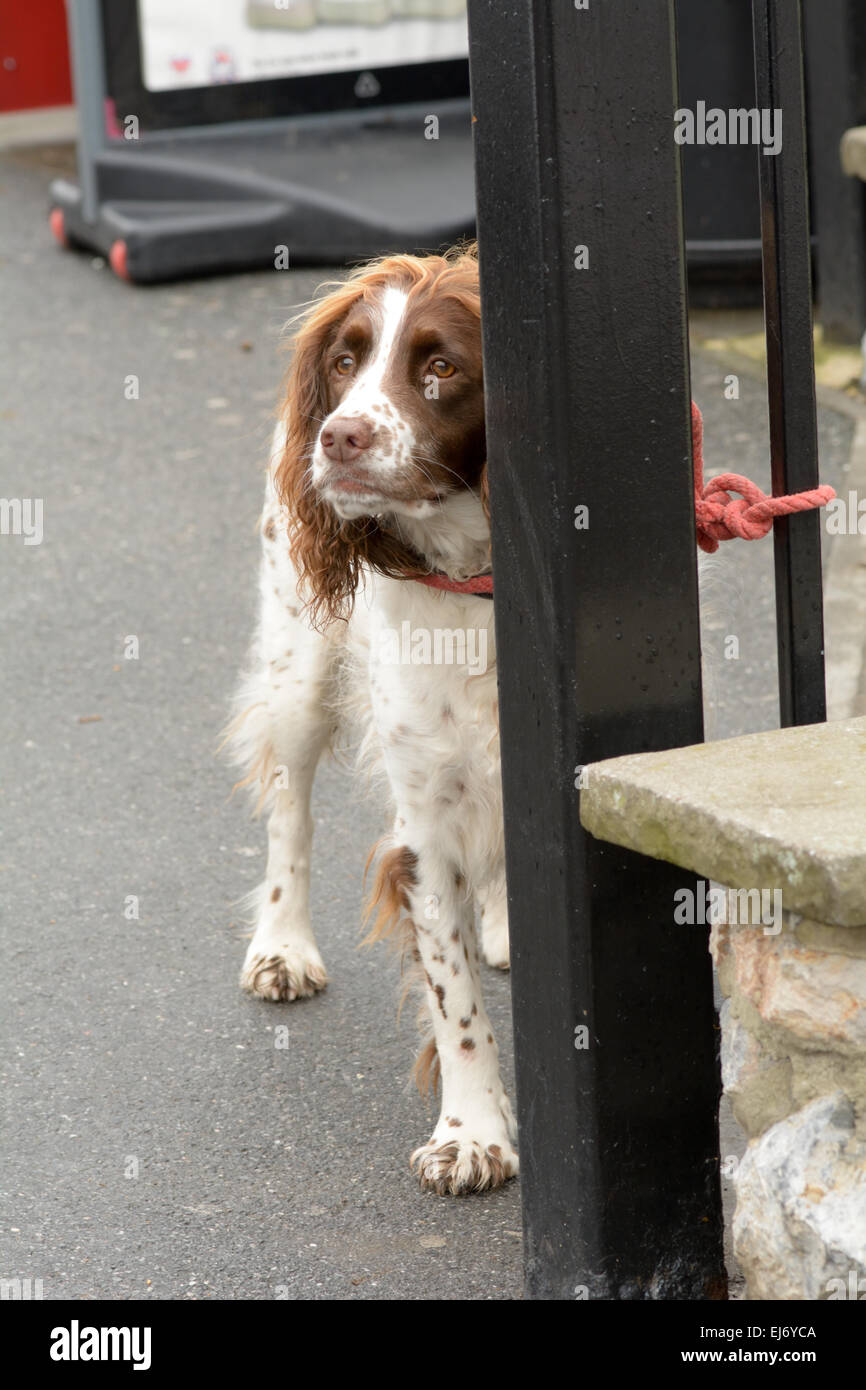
(405, 392)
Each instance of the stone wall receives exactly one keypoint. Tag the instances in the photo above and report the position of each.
(794, 1066)
(782, 814)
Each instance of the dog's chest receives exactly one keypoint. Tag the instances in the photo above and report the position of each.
(431, 666)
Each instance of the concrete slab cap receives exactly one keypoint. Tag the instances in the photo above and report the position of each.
(784, 809)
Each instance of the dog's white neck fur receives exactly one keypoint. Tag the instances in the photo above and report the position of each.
(453, 538)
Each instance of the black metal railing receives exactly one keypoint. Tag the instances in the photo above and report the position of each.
(587, 381)
(790, 362)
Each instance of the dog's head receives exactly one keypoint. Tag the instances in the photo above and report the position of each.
(384, 417)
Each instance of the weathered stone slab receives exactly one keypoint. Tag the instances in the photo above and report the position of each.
(781, 810)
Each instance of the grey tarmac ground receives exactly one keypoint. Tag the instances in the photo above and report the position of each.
(128, 1048)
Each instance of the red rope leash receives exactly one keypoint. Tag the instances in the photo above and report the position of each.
(718, 515)
(721, 517)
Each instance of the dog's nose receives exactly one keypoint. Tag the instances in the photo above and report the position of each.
(345, 440)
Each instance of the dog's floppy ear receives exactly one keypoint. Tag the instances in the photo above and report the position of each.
(305, 404)
(321, 544)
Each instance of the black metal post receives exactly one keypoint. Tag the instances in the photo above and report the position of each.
(836, 99)
(581, 245)
(790, 361)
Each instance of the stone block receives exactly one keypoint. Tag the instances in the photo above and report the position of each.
(757, 1082)
(800, 1223)
(818, 998)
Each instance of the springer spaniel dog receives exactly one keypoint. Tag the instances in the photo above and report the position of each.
(376, 611)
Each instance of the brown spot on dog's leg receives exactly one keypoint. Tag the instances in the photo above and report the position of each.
(468, 1045)
(275, 896)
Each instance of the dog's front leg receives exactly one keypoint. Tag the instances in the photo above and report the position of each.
(471, 1147)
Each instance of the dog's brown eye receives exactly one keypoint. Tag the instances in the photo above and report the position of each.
(345, 363)
(439, 367)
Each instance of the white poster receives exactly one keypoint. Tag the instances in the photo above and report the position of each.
(197, 43)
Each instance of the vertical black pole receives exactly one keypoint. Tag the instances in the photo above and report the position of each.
(581, 246)
(835, 32)
(790, 360)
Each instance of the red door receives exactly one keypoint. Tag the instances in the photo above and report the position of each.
(34, 55)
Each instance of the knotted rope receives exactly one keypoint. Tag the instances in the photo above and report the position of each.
(718, 515)
(721, 517)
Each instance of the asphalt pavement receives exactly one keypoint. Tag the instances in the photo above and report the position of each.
(156, 1143)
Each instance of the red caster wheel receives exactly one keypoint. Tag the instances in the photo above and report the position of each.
(57, 223)
(117, 260)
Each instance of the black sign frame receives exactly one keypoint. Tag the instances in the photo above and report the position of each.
(269, 98)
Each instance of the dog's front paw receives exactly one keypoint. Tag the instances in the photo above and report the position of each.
(283, 972)
(454, 1167)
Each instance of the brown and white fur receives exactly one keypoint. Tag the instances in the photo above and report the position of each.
(379, 474)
